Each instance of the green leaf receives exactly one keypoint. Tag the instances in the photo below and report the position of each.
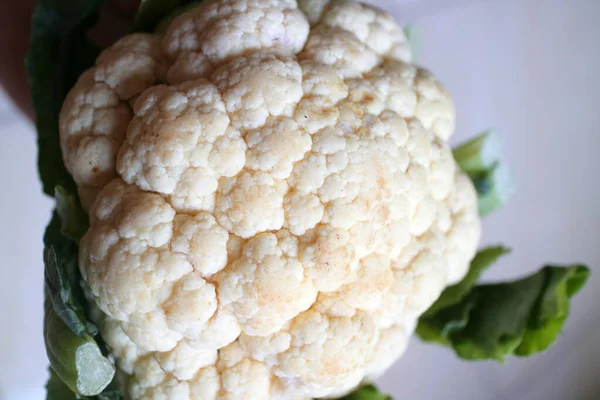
(449, 319)
(59, 52)
(56, 388)
(58, 289)
(368, 392)
(552, 308)
(68, 335)
(455, 293)
(152, 12)
(61, 278)
(480, 154)
(493, 321)
(74, 221)
(437, 327)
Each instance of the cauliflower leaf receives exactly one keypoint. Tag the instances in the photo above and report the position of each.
(368, 392)
(74, 221)
(414, 39)
(519, 318)
(455, 293)
(480, 159)
(494, 188)
(59, 51)
(74, 355)
(61, 279)
(56, 388)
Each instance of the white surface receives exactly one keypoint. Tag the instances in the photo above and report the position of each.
(530, 69)
(23, 216)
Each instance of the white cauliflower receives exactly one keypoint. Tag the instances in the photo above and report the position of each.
(271, 196)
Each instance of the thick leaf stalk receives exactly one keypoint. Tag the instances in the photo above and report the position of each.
(480, 158)
(76, 360)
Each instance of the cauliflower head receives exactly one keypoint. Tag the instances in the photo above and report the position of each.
(271, 196)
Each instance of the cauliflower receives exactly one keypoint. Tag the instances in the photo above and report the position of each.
(272, 199)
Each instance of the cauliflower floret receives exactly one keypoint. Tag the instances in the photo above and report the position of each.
(133, 232)
(250, 203)
(179, 144)
(267, 286)
(228, 28)
(276, 147)
(326, 353)
(340, 49)
(328, 256)
(414, 92)
(392, 343)
(95, 115)
(303, 212)
(241, 376)
(258, 86)
(376, 29)
(273, 199)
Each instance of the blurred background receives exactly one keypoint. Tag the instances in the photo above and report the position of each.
(529, 68)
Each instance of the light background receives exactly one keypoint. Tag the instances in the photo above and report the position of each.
(529, 68)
